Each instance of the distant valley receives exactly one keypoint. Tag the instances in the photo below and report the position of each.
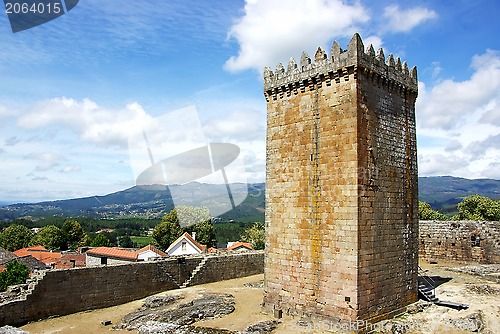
(443, 193)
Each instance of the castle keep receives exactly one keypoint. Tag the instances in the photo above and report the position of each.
(341, 196)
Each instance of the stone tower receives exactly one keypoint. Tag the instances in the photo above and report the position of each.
(341, 191)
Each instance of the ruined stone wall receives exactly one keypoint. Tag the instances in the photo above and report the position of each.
(460, 241)
(62, 292)
(229, 266)
(341, 191)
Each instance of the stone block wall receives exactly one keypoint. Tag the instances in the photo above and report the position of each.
(95, 261)
(229, 266)
(62, 292)
(460, 241)
(341, 185)
(387, 196)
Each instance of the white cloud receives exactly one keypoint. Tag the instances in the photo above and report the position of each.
(86, 119)
(46, 160)
(405, 20)
(69, 169)
(4, 111)
(440, 164)
(458, 122)
(12, 141)
(376, 41)
(239, 125)
(272, 31)
(492, 171)
(447, 103)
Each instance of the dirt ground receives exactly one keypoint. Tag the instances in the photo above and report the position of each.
(482, 296)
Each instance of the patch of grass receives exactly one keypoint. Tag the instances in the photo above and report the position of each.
(141, 241)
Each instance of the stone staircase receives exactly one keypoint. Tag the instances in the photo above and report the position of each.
(193, 274)
(427, 289)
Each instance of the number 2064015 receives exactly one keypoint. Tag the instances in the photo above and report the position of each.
(32, 8)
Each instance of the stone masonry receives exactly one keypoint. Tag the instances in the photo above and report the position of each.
(341, 196)
(463, 241)
(61, 292)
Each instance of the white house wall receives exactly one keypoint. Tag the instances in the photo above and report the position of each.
(95, 261)
(146, 255)
(177, 249)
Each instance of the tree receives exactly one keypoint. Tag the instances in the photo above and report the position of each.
(205, 232)
(73, 233)
(255, 235)
(16, 273)
(190, 216)
(86, 240)
(101, 240)
(167, 231)
(477, 207)
(425, 212)
(125, 241)
(51, 237)
(15, 237)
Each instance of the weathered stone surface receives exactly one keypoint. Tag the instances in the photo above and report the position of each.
(483, 289)
(418, 307)
(255, 285)
(152, 327)
(157, 310)
(461, 241)
(471, 323)
(11, 330)
(341, 186)
(262, 327)
(152, 305)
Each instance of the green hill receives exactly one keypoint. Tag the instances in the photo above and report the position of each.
(442, 193)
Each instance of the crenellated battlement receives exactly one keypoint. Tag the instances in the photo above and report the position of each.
(340, 64)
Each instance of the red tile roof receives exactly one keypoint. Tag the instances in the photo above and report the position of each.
(40, 253)
(240, 244)
(119, 253)
(71, 260)
(151, 248)
(29, 250)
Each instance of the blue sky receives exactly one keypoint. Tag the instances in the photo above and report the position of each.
(73, 89)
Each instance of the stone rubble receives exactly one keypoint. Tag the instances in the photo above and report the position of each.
(156, 310)
(483, 289)
(12, 330)
(156, 327)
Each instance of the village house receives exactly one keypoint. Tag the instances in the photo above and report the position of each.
(186, 245)
(28, 260)
(113, 255)
(239, 246)
(52, 259)
(49, 258)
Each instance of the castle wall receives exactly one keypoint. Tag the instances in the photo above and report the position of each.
(62, 292)
(461, 242)
(341, 186)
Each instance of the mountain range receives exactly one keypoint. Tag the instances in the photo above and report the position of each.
(443, 193)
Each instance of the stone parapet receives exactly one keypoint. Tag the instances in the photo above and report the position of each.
(325, 70)
(67, 291)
